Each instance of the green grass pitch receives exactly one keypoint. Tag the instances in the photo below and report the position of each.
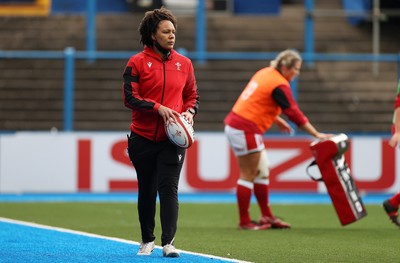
(316, 234)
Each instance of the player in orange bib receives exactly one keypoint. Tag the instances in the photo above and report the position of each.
(265, 97)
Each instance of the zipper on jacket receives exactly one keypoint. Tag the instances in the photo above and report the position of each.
(162, 99)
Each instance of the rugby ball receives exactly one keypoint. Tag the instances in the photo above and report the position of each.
(180, 132)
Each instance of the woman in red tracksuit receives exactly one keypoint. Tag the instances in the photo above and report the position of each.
(159, 85)
(392, 204)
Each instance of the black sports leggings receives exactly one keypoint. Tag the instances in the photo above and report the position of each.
(158, 166)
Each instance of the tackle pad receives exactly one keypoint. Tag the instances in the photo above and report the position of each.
(336, 175)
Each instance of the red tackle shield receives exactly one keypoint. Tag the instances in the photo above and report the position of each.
(335, 173)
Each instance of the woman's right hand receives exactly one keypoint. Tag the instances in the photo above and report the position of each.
(321, 136)
(167, 114)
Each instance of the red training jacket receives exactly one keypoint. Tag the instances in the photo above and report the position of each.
(149, 82)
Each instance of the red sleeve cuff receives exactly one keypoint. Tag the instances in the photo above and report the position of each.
(156, 106)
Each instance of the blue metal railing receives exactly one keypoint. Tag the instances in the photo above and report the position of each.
(69, 55)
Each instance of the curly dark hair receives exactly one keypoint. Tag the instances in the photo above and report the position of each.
(148, 25)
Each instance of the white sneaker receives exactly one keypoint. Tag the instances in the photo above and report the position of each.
(170, 251)
(145, 249)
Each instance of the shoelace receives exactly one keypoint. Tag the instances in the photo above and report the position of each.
(170, 245)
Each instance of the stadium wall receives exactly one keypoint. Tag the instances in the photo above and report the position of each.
(97, 162)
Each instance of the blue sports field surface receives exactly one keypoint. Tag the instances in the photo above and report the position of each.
(27, 242)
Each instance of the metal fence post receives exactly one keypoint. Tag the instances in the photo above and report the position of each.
(69, 76)
(201, 28)
(309, 33)
(91, 29)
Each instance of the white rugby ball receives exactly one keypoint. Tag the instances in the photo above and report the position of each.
(180, 133)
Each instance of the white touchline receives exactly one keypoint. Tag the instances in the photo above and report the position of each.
(64, 230)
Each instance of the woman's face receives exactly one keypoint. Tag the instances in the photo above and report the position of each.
(291, 73)
(165, 34)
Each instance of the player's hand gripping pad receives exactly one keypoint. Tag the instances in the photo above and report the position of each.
(335, 173)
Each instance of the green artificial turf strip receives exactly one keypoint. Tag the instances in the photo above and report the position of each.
(316, 234)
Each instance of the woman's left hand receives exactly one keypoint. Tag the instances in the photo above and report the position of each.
(188, 116)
